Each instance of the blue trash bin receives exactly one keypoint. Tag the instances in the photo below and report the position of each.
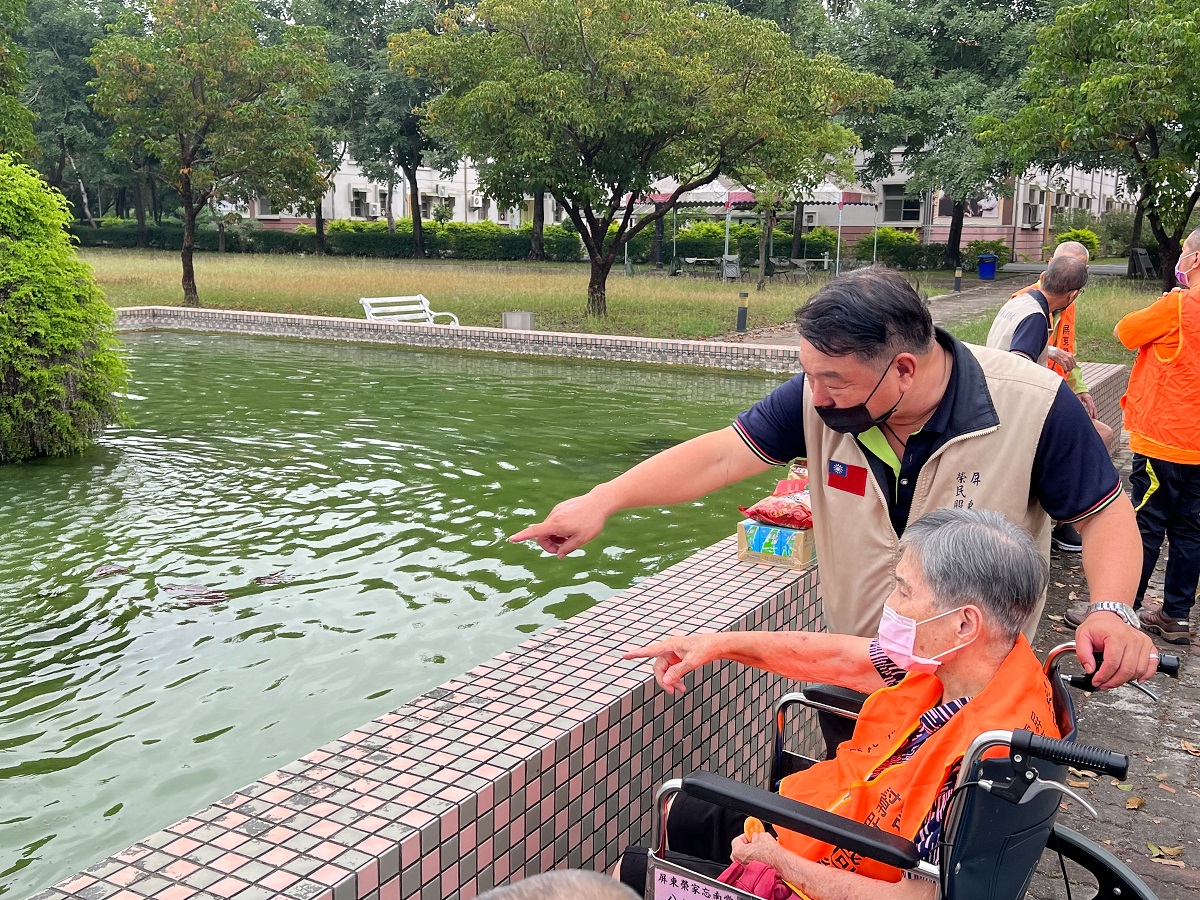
(987, 266)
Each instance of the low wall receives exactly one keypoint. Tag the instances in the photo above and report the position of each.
(1106, 383)
(545, 756)
(709, 354)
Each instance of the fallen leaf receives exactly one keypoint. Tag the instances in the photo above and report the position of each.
(1190, 747)
(1082, 773)
(1171, 851)
(1055, 618)
(1063, 807)
(1115, 782)
(1167, 788)
(1072, 596)
(1125, 787)
(1176, 863)
(1059, 584)
(1081, 784)
(1134, 803)
(1160, 776)
(1154, 849)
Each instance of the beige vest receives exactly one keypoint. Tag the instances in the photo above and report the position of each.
(1012, 314)
(857, 549)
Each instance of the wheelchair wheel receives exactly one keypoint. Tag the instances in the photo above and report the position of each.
(1113, 880)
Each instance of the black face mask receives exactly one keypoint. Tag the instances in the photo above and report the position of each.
(857, 419)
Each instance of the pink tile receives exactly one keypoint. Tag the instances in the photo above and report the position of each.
(374, 845)
(430, 866)
(327, 850)
(277, 795)
(279, 880)
(323, 809)
(230, 840)
(324, 828)
(229, 862)
(180, 869)
(278, 835)
(175, 892)
(124, 876)
(181, 846)
(132, 854)
(390, 890)
(231, 820)
(278, 856)
(368, 877)
(76, 884)
(410, 850)
(371, 823)
(329, 875)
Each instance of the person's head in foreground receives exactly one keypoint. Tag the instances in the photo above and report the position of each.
(1187, 267)
(1063, 280)
(866, 340)
(1073, 249)
(569, 884)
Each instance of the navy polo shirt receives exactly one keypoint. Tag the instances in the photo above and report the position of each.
(1072, 477)
(1032, 333)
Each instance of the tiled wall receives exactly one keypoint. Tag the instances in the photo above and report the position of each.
(546, 756)
(1106, 383)
(447, 337)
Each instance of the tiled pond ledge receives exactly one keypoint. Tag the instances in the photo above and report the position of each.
(543, 757)
(709, 354)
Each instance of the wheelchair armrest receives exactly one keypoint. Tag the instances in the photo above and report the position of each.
(800, 817)
(838, 697)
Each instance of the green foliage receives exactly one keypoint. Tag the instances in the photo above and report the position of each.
(892, 243)
(1115, 84)
(599, 102)
(16, 131)
(818, 242)
(59, 369)
(1115, 228)
(1069, 219)
(970, 257)
(203, 87)
(1085, 236)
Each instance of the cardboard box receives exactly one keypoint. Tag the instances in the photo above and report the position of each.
(775, 545)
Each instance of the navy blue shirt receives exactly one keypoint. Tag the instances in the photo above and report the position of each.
(1072, 477)
(1032, 333)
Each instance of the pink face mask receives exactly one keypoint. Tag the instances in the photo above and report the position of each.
(898, 636)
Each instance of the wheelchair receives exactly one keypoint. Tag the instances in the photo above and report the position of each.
(1000, 819)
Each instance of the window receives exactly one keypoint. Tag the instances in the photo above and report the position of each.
(358, 204)
(426, 206)
(264, 206)
(898, 206)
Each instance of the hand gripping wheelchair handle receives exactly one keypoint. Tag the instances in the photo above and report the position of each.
(1168, 664)
(1067, 753)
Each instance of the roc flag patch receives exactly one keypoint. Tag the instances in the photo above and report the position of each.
(848, 478)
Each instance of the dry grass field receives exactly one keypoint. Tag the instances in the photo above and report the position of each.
(648, 305)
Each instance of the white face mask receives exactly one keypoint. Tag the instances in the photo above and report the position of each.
(898, 636)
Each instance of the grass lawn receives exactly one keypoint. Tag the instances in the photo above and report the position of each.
(1103, 302)
(651, 306)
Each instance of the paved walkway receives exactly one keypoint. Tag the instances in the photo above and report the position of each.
(1162, 773)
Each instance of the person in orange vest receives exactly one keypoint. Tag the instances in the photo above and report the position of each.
(1061, 359)
(1162, 416)
(966, 578)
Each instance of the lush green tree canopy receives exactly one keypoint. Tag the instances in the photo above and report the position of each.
(600, 101)
(59, 368)
(1117, 82)
(16, 131)
(201, 87)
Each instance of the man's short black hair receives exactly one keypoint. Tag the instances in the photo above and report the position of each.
(873, 313)
(1064, 275)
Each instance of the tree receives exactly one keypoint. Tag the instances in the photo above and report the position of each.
(16, 122)
(1115, 82)
(598, 102)
(59, 368)
(951, 61)
(195, 84)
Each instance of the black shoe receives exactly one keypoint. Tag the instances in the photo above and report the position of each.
(1066, 539)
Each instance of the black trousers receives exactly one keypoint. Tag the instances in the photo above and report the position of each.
(1166, 496)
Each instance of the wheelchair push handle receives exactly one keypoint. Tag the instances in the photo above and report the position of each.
(1067, 753)
(1168, 664)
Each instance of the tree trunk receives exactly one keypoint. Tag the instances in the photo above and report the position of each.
(220, 236)
(797, 230)
(597, 301)
(414, 205)
(954, 239)
(656, 247)
(537, 239)
(155, 206)
(764, 236)
(319, 248)
(191, 296)
(1135, 239)
(139, 207)
(391, 216)
(83, 194)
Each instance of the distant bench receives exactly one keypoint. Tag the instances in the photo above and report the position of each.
(413, 309)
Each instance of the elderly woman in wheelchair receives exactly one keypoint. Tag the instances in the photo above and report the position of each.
(949, 677)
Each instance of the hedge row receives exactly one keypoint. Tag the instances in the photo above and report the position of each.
(455, 240)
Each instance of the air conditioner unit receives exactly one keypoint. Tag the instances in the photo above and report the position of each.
(373, 209)
(443, 190)
(810, 219)
(476, 201)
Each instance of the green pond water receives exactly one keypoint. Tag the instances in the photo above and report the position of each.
(374, 486)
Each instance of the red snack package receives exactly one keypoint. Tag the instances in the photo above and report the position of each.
(788, 506)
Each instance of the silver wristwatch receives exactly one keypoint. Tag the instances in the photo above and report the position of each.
(1124, 610)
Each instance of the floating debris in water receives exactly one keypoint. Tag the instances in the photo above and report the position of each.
(279, 577)
(109, 569)
(197, 594)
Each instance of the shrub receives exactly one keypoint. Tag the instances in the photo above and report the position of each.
(818, 242)
(1115, 229)
(970, 255)
(562, 244)
(1085, 236)
(59, 369)
(892, 247)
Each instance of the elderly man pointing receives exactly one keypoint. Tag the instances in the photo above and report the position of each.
(897, 418)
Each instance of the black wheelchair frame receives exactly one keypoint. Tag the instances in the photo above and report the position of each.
(1000, 819)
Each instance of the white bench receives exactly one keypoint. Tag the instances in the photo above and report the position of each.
(413, 309)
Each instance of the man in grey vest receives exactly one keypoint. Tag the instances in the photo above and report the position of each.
(897, 418)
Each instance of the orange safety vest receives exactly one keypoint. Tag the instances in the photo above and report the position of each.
(900, 797)
(1162, 402)
(1063, 336)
